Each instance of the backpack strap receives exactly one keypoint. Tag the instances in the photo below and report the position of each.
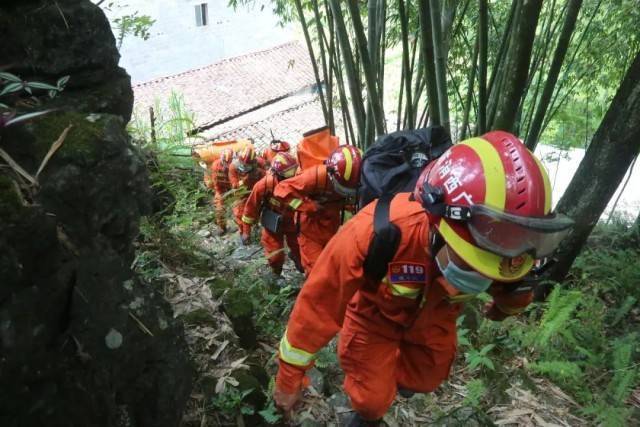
(385, 241)
(321, 179)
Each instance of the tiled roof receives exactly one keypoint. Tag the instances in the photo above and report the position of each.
(287, 124)
(231, 87)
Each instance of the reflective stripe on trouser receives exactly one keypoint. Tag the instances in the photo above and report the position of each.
(374, 366)
(274, 244)
(220, 211)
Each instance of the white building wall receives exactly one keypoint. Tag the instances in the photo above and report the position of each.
(176, 44)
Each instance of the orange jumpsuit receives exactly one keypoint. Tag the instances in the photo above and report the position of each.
(217, 179)
(246, 181)
(397, 333)
(262, 196)
(311, 194)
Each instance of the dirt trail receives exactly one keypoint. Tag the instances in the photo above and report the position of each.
(203, 301)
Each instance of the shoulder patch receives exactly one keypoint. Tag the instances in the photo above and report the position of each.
(407, 272)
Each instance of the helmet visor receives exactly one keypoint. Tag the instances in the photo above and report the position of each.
(512, 235)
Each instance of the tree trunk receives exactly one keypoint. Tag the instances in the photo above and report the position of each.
(612, 148)
(517, 65)
(552, 78)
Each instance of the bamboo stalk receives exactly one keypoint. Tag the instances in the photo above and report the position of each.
(426, 38)
(325, 70)
(350, 67)
(367, 66)
(470, 84)
(405, 60)
(504, 43)
(482, 52)
(440, 62)
(312, 57)
(556, 64)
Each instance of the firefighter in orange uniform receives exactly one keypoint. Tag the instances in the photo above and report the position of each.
(245, 170)
(487, 203)
(275, 147)
(277, 221)
(319, 194)
(217, 179)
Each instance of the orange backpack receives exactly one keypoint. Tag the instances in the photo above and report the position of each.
(315, 147)
(211, 151)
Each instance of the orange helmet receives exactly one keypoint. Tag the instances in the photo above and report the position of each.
(344, 166)
(226, 156)
(490, 199)
(245, 159)
(284, 165)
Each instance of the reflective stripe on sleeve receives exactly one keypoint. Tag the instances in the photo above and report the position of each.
(248, 220)
(401, 290)
(293, 355)
(274, 201)
(295, 203)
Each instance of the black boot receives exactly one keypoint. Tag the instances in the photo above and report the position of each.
(355, 420)
(405, 392)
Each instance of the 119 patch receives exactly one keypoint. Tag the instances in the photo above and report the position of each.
(407, 272)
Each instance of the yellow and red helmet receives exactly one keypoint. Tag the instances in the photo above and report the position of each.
(279, 146)
(226, 156)
(344, 165)
(284, 165)
(246, 155)
(490, 199)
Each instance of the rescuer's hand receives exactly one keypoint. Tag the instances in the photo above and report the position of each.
(492, 312)
(286, 401)
(246, 239)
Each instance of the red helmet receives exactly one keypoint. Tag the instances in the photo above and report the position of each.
(226, 156)
(490, 199)
(280, 146)
(344, 166)
(284, 165)
(245, 159)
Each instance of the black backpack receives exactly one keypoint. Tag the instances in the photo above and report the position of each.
(392, 165)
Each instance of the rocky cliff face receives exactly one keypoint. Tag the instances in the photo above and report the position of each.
(82, 340)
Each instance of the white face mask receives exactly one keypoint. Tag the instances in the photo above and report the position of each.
(466, 281)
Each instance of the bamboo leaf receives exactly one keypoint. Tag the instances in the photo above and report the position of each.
(10, 77)
(39, 85)
(62, 81)
(11, 87)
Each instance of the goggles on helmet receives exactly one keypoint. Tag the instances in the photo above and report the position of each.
(498, 232)
(244, 167)
(512, 235)
(288, 173)
(342, 189)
